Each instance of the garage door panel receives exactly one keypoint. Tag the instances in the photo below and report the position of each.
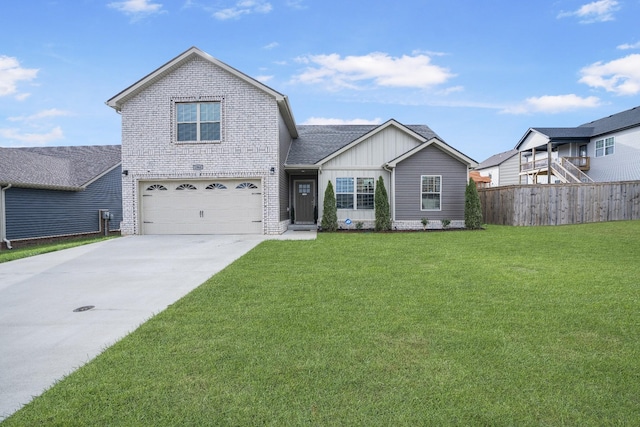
(202, 207)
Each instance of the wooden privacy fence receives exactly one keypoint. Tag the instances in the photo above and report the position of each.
(556, 204)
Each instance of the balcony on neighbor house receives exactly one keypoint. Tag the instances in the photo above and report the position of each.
(582, 163)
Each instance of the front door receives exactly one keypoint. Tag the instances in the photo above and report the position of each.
(304, 201)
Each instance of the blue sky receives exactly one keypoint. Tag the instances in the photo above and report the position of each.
(479, 73)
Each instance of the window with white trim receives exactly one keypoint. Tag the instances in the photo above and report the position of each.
(604, 147)
(430, 192)
(198, 122)
(355, 193)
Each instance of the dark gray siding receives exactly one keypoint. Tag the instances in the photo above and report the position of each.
(430, 161)
(33, 213)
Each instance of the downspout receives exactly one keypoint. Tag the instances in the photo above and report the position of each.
(392, 186)
(3, 222)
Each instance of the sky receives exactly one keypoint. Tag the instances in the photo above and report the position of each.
(478, 72)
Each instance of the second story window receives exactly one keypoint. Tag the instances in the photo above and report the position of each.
(198, 122)
(604, 147)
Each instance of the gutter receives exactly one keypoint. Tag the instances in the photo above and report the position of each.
(3, 222)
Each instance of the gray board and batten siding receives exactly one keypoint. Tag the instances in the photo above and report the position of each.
(430, 161)
(37, 213)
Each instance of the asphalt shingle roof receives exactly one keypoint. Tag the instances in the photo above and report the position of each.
(497, 159)
(315, 142)
(69, 167)
(615, 122)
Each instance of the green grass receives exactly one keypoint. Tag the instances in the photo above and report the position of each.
(507, 326)
(14, 254)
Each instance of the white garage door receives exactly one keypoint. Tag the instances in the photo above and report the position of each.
(201, 207)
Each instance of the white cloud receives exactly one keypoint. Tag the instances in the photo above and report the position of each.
(264, 78)
(137, 8)
(552, 104)
(243, 7)
(32, 139)
(11, 73)
(336, 72)
(329, 121)
(597, 11)
(620, 76)
(53, 112)
(627, 46)
(271, 45)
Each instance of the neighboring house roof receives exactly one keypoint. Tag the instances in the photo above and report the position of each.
(497, 159)
(60, 168)
(479, 179)
(613, 123)
(317, 144)
(118, 100)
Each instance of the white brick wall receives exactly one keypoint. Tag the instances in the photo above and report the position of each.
(249, 137)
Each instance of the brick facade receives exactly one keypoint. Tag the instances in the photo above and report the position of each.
(250, 131)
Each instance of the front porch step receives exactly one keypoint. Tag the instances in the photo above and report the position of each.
(302, 227)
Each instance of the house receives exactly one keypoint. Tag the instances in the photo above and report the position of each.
(479, 180)
(501, 169)
(49, 192)
(207, 149)
(604, 150)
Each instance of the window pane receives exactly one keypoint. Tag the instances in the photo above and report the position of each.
(344, 201)
(365, 185)
(344, 185)
(430, 184)
(210, 112)
(365, 201)
(187, 131)
(210, 132)
(608, 146)
(187, 113)
(431, 201)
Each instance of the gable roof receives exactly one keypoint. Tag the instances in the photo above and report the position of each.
(437, 143)
(317, 144)
(58, 168)
(118, 100)
(497, 159)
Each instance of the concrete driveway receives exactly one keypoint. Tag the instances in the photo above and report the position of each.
(126, 280)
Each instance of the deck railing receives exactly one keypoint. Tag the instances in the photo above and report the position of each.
(582, 163)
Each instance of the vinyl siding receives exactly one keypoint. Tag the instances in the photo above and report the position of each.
(34, 213)
(430, 161)
(509, 171)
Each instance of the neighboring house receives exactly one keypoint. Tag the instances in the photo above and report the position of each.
(207, 149)
(58, 191)
(501, 169)
(603, 150)
(479, 180)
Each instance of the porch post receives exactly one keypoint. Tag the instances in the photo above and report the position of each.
(533, 166)
(549, 162)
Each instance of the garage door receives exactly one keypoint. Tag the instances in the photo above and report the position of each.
(201, 207)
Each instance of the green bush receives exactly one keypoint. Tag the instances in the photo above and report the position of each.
(330, 210)
(383, 216)
(472, 208)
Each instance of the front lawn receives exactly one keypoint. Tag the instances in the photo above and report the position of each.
(506, 326)
(7, 255)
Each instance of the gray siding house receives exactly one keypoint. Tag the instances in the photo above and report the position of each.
(604, 150)
(207, 149)
(502, 168)
(49, 192)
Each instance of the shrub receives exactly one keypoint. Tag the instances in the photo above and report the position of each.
(472, 207)
(445, 223)
(381, 201)
(330, 210)
(425, 222)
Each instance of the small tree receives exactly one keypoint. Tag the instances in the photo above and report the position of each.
(472, 207)
(381, 201)
(330, 210)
